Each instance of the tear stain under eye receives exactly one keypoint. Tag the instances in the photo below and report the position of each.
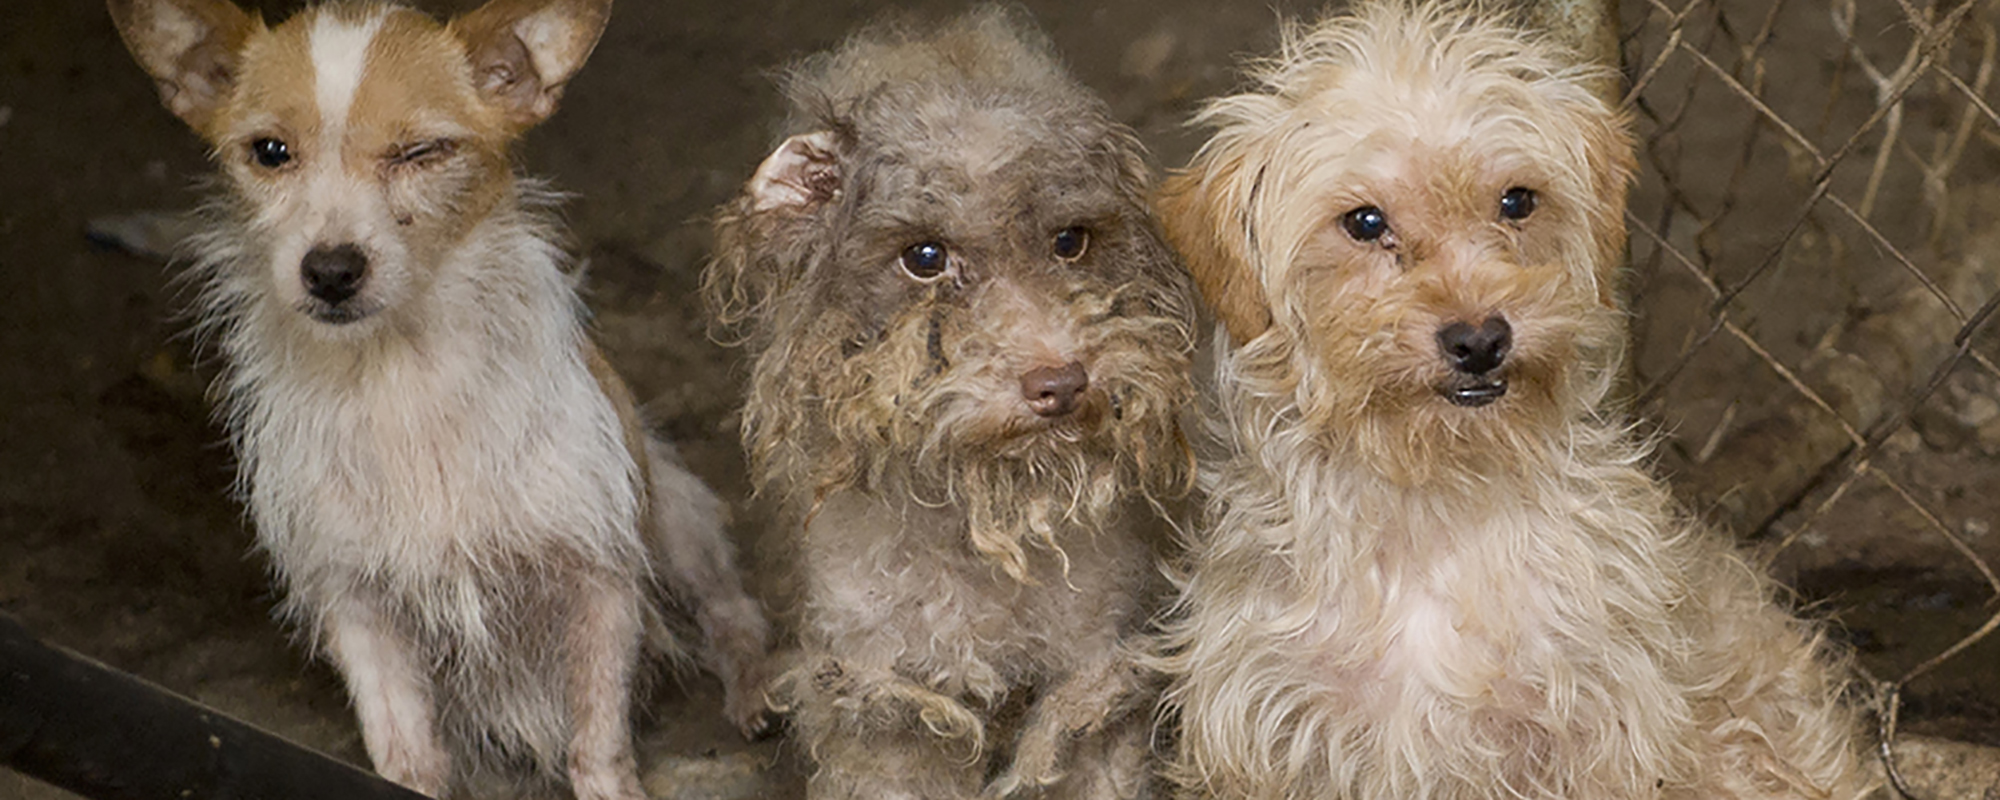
(934, 344)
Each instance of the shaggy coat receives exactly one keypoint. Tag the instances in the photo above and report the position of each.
(956, 221)
(456, 491)
(1426, 581)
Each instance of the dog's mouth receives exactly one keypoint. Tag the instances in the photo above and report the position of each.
(1473, 391)
(342, 314)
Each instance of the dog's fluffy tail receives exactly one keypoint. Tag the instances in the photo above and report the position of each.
(694, 564)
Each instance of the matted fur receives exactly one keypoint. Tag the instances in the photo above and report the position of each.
(455, 490)
(1398, 597)
(960, 552)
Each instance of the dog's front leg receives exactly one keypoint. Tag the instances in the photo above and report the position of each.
(869, 699)
(879, 736)
(391, 693)
(1084, 703)
(603, 649)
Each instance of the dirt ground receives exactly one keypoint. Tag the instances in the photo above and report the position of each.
(117, 537)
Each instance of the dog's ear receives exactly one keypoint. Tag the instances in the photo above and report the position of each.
(525, 51)
(189, 47)
(764, 238)
(1612, 160)
(801, 175)
(1206, 212)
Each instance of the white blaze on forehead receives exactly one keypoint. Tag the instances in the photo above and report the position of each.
(339, 55)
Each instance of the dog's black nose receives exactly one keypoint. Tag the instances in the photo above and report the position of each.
(333, 274)
(1055, 391)
(1476, 351)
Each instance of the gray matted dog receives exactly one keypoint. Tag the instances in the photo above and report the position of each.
(972, 348)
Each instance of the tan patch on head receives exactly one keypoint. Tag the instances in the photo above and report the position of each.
(418, 73)
(409, 80)
(418, 86)
(274, 90)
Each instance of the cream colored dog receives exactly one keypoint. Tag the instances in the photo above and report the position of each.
(1434, 566)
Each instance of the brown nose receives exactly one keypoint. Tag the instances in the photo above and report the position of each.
(1055, 391)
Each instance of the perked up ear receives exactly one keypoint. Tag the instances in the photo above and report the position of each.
(1206, 212)
(189, 47)
(525, 51)
(801, 175)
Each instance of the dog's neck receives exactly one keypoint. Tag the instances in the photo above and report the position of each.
(1296, 476)
(896, 517)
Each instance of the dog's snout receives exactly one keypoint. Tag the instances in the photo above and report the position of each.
(1476, 351)
(334, 274)
(1055, 391)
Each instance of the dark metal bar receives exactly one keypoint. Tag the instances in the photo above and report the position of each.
(106, 735)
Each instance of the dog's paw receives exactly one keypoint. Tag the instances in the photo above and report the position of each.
(1035, 763)
(748, 703)
(877, 694)
(943, 716)
(753, 716)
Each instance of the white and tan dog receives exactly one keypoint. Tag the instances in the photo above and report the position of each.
(457, 492)
(1434, 565)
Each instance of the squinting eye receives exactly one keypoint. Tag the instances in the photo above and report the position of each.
(422, 153)
(925, 260)
(1517, 203)
(272, 153)
(1071, 242)
(1365, 224)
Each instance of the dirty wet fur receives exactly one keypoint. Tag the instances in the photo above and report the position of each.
(1401, 592)
(466, 512)
(960, 549)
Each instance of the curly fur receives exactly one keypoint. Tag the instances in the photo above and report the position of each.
(960, 551)
(1395, 595)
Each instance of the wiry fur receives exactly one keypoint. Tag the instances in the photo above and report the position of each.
(1396, 596)
(455, 489)
(960, 552)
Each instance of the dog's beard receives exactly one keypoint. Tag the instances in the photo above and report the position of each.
(929, 410)
(1372, 385)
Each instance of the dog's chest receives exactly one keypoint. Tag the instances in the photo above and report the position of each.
(1452, 626)
(424, 466)
(906, 591)
(1524, 635)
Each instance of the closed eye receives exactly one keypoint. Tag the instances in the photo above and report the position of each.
(420, 154)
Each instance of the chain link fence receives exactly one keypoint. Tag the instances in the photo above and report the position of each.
(1816, 253)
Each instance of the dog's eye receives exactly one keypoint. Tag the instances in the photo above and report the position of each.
(271, 153)
(1365, 224)
(1071, 242)
(925, 260)
(421, 153)
(1517, 203)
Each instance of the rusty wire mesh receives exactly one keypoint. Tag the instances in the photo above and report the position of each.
(1816, 252)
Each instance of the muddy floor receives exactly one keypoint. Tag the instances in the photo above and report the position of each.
(117, 537)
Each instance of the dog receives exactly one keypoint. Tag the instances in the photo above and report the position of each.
(458, 494)
(972, 345)
(1433, 564)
